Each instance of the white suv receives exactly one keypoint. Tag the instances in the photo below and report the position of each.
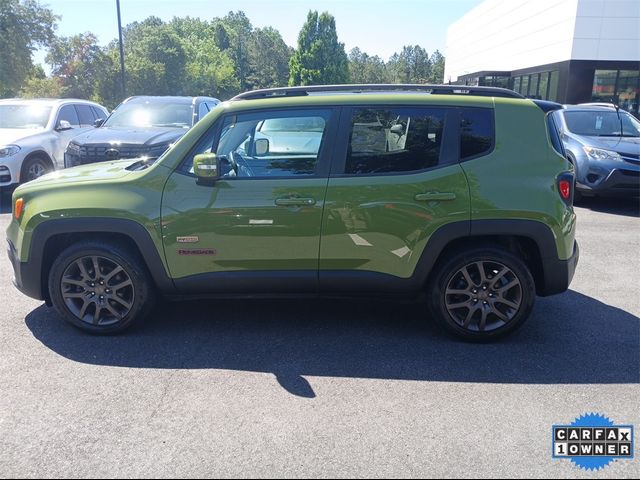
(34, 134)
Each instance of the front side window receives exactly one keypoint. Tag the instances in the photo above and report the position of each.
(394, 140)
(68, 113)
(85, 115)
(268, 144)
(476, 132)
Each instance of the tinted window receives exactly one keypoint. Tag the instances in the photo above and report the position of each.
(554, 135)
(267, 144)
(99, 113)
(85, 115)
(394, 140)
(68, 113)
(203, 109)
(476, 132)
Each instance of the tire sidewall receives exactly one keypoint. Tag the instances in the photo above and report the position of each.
(142, 290)
(24, 171)
(448, 268)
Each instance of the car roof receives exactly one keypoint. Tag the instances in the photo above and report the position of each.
(168, 99)
(47, 102)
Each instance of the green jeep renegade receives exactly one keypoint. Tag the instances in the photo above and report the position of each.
(463, 194)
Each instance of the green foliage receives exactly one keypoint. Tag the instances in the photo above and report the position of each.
(189, 56)
(320, 58)
(366, 69)
(24, 26)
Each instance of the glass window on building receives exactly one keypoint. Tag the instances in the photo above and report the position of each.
(502, 82)
(516, 84)
(533, 85)
(604, 86)
(524, 87)
(543, 86)
(628, 92)
(553, 85)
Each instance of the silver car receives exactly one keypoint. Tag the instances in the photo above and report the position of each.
(34, 134)
(603, 142)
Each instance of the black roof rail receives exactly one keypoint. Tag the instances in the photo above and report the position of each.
(401, 87)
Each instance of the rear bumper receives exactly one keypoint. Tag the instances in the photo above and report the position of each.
(26, 278)
(559, 273)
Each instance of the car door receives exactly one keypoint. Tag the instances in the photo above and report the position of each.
(257, 228)
(395, 180)
(69, 114)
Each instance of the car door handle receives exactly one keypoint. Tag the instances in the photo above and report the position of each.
(435, 196)
(288, 202)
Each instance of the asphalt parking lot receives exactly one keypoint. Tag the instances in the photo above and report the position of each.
(284, 388)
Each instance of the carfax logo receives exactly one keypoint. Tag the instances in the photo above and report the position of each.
(593, 441)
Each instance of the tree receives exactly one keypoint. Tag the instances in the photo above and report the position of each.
(366, 69)
(24, 26)
(79, 64)
(437, 68)
(236, 32)
(412, 65)
(268, 57)
(319, 58)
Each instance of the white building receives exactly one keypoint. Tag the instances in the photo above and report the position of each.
(569, 51)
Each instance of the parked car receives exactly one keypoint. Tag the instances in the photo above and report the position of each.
(139, 127)
(34, 134)
(468, 201)
(603, 143)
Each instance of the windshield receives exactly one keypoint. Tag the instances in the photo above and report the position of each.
(147, 114)
(602, 124)
(24, 116)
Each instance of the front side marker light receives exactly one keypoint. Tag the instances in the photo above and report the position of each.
(18, 208)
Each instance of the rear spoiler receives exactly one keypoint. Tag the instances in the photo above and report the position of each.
(548, 106)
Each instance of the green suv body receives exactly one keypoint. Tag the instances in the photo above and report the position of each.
(463, 197)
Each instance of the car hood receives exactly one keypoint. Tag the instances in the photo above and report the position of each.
(629, 145)
(130, 136)
(94, 172)
(13, 135)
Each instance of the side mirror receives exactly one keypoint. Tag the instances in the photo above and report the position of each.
(206, 166)
(98, 122)
(262, 146)
(63, 125)
(397, 129)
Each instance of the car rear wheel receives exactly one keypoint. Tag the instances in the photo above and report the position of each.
(481, 294)
(100, 288)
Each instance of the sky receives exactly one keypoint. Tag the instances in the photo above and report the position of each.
(377, 27)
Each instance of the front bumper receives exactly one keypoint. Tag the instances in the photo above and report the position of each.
(26, 277)
(623, 182)
(558, 274)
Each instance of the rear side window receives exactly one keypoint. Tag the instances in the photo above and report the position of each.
(477, 132)
(85, 115)
(98, 113)
(554, 135)
(394, 140)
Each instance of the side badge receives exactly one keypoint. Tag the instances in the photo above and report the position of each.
(192, 239)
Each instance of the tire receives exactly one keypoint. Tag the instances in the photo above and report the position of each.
(507, 300)
(124, 298)
(33, 168)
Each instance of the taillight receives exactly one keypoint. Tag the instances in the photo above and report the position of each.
(565, 187)
(18, 208)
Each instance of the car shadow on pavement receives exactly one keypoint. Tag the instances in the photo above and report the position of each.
(629, 207)
(5, 200)
(570, 339)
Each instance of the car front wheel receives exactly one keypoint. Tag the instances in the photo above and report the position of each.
(100, 288)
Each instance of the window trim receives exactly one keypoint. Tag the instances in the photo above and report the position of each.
(448, 156)
(325, 152)
(493, 138)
